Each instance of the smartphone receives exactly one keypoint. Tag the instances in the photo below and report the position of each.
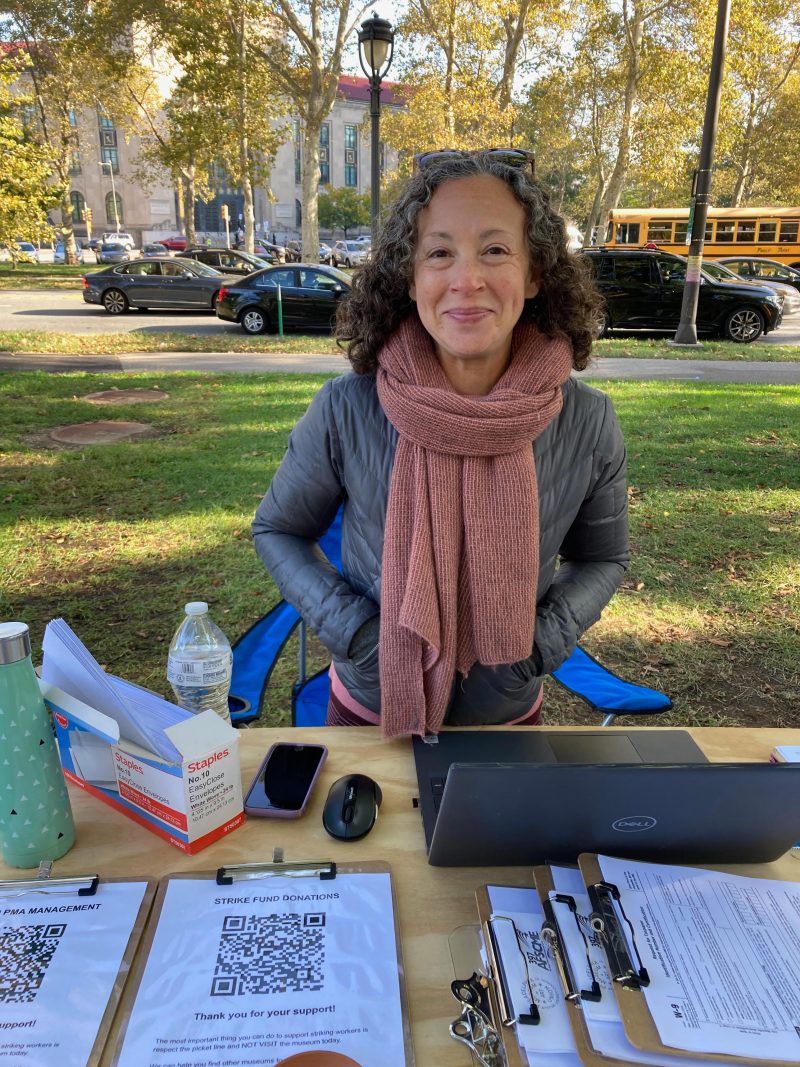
(285, 779)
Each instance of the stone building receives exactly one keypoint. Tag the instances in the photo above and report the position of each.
(104, 178)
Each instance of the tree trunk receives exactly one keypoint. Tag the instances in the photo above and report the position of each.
(634, 32)
(181, 208)
(191, 201)
(310, 224)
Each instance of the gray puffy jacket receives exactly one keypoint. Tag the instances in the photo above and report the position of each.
(342, 450)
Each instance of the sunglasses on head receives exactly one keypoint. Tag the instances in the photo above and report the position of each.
(512, 157)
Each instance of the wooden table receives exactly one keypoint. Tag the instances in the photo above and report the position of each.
(431, 901)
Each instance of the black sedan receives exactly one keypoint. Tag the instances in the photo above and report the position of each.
(227, 260)
(308, 292)
(156, 283)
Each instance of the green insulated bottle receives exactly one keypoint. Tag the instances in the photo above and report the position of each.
(35, 815)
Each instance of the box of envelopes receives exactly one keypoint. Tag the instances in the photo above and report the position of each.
(190, 802)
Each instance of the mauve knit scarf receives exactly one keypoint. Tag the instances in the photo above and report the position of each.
(461, 546)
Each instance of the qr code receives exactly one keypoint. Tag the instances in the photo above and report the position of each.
(270, 954)
(25, 955)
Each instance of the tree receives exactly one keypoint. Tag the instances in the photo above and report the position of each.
(70, 66)
(343, 209)
(307, 66)
(26, 192)
(223, 108)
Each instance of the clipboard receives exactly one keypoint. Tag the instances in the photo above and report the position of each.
(543, 882)
(83, 888)
(639, 1025)
(255, 878)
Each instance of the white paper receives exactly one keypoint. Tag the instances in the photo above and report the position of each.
(60, 954)
(260, 970)
(723, 955)
(553, 1033)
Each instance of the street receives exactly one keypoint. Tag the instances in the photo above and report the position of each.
(65, 312)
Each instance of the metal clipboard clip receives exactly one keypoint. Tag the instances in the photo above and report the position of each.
(605, 901)
(551, 934)
(82, 885)
(325, 870)
(474, 1027)
(507, 1017)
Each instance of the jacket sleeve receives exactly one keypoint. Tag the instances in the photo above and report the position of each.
(299, 506)
(594, 555)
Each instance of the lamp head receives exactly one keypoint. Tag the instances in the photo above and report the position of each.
(375, 46)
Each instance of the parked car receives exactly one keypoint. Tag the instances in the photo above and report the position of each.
(159, 283)
(46, 252)
(111, 252)
(227, 260)
(154, 249)
(294, 251)
(753, 268)
(326, 254)
(349, 254)
(274, 253)
(309, 295)
(788, 293)
(119, 239)
(60, 253)
(25, 252)
(643, 290)
(176, 243)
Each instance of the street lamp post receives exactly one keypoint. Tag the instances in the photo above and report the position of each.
(686, 334)
(375, 51)
(110, 165)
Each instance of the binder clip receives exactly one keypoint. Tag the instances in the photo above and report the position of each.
(242, 872)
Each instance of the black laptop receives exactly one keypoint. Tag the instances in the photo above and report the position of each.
(508, 798)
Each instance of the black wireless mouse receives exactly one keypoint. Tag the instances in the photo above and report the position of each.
(352, 807)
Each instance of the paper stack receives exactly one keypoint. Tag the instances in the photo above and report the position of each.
(142, 716)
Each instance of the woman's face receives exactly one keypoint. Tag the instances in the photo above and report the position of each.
(472, 273)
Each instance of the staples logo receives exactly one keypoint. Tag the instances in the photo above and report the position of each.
(209, 761)
(631, 824)
(129, 763)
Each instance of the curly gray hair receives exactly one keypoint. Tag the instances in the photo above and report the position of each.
(567, 303)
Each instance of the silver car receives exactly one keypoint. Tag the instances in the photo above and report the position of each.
(349, 254)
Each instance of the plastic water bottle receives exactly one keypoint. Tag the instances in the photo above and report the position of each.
(199, 665)
(35, 814)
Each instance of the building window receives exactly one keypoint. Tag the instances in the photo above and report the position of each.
(110, 155)
(78, 207)
(75, 162)
(325, 154)
(298, 152)
(114, 216)
(73, 118)
(103, 121)
(351, 156)
(298, 215)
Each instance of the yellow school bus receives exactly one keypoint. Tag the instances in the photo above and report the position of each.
(730, 231)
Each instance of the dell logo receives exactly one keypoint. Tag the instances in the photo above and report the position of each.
(632, 823)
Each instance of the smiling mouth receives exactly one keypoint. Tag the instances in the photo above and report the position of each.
(467, 314)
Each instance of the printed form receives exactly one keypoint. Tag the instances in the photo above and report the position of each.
(60, 955)
(256, 971)
(723, 954)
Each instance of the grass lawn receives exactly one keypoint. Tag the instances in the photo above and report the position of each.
(43, 275)
(234, 340)
(116, 538)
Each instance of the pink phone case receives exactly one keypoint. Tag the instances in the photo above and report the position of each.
(283, 813)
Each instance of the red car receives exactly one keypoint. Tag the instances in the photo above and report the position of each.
(174, 244)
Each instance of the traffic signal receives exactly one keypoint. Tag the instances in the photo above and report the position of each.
(225, 213)
(88, 215)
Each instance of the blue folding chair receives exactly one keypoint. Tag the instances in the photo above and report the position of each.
(256, 653)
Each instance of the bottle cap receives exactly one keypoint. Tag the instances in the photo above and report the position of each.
(15, 642)
(196, 607)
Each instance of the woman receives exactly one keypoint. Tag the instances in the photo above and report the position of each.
(485, 504)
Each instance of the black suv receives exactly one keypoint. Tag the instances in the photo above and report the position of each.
(643, 290)
(226, 260)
